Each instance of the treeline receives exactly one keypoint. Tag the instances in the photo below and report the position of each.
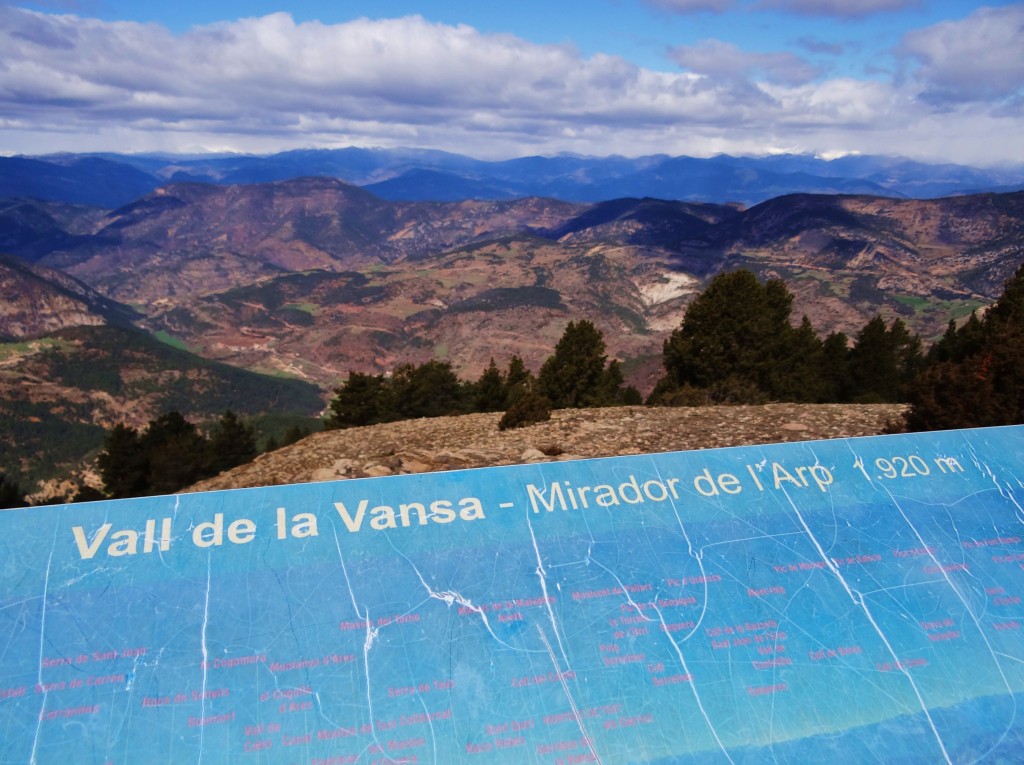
(974, 376)
(577, 374)
(171, 453)
(737, 345)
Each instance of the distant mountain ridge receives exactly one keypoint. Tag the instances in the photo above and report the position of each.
(315, 277)
(113, 180)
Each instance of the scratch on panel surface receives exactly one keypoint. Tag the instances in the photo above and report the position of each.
(371, 637)
(206, 654)
(42, 638)
(542, 576)
(693, 683)
(697, 555)
(858, 600)
(451, 597)
(568, 694)
(967, 607)
(1004, 491)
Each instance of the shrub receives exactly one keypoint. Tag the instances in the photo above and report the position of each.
(528, 409)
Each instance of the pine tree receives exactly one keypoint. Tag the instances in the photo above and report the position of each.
(1007, 313)
(123, 464)
(609, 390)
(10, 493)
(575, 375)
(176, 453)
(801, 375)
(835, 368)
(976, 376)
(883, 361)
(232, 443)
(874, 373)
(518, 380)
(294, 434)
(359, 401)
(429, 390)
(489, 393)
(531, 407)
(958, 342)
(734, 339)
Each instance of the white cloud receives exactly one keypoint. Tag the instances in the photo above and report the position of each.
(265, 84)
(977, 58)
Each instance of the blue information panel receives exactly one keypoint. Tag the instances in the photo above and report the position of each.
(846, 601)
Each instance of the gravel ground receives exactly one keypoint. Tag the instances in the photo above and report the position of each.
(448, 443)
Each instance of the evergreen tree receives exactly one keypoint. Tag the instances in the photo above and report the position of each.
(734, 339)
(359, 401)
(609, 390)
(10, 493)
(232, 443)
(874, 372)
(959, 343)
(176, 453)
(123, 464)
(631, 396)
(575, 375)
(531, 407)
(518, 380)
(294, 434)
(801, 375)
(835, 368)
(429, 390)
(976, 376)
(883, 361)
(1007, 313)
(489, 393)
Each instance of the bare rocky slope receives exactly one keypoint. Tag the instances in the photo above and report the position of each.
(315, 278)
(471, 441)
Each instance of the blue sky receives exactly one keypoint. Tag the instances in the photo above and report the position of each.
(932, 79)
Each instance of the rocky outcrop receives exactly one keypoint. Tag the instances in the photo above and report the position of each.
(471, 441)
(37, 301)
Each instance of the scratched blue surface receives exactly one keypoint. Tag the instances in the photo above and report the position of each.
(853, 600)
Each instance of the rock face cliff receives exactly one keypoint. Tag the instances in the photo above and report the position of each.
(37, 301)
(471, 441)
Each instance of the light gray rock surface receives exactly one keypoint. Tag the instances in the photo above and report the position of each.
(473, 440)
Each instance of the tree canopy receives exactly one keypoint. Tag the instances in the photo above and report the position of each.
(171, 453)
(576, 375)
(737, 344)
(974, 375)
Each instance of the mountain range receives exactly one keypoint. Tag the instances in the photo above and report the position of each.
(261, 297)
(313, 277)
(113, 180)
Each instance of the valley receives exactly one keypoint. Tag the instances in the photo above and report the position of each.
(301, 281)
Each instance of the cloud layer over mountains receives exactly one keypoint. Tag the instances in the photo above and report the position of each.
(262, 84)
